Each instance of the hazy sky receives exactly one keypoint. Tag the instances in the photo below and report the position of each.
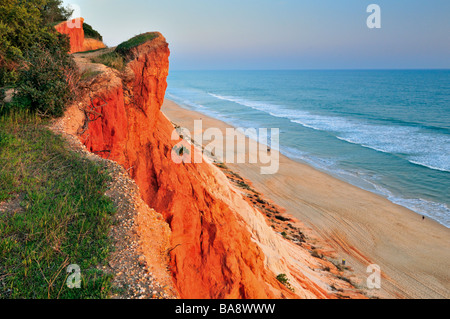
(282, 34)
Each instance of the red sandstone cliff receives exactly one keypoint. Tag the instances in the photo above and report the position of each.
(78, 43)
(74, 29)
(221, 246)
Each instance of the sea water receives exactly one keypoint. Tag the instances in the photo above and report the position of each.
(386, 131)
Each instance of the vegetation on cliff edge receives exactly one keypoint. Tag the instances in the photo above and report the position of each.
(89, 32)
(33, 55)
(56, 214)
(117, 58)
(111, 59)
(126, 46)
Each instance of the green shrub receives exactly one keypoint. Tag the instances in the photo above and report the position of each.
(221, 165)
(2, 99)
(346, 280)
(9, 57)
(48, 82)
(126, 46)
(244, 185)
(285, 281)
(89, 32)
(234, 174)
(23, 24)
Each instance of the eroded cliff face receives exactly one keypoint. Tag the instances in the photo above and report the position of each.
(221, 246)
(74, 29)
(78, 42)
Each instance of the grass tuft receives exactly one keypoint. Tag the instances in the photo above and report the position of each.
(62, 216)
(112, 59)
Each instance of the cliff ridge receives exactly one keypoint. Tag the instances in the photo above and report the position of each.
(221, 246)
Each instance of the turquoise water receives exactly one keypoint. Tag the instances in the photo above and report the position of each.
(385, 131)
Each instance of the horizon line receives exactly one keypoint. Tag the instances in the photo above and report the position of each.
(324, 69)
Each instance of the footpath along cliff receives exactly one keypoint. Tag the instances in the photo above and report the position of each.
(221, 245)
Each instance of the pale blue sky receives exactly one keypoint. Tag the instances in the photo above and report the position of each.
(282, 34)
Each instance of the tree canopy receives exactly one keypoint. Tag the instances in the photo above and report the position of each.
(23, 23)
(34, 56)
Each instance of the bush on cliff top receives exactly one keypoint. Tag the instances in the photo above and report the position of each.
(49, 80)
(126, 46)
(22, 24)
(116, 59)
(33, 56)
(89, 32)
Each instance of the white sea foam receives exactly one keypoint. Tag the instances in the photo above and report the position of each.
(417, 145)
(185, 102)
(431, 209)
(437, 211)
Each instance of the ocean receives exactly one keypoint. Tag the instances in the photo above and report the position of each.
(386, 131)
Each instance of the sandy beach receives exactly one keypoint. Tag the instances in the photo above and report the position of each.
(361, 227)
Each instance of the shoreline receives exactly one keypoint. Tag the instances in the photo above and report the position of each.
(362, 227)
